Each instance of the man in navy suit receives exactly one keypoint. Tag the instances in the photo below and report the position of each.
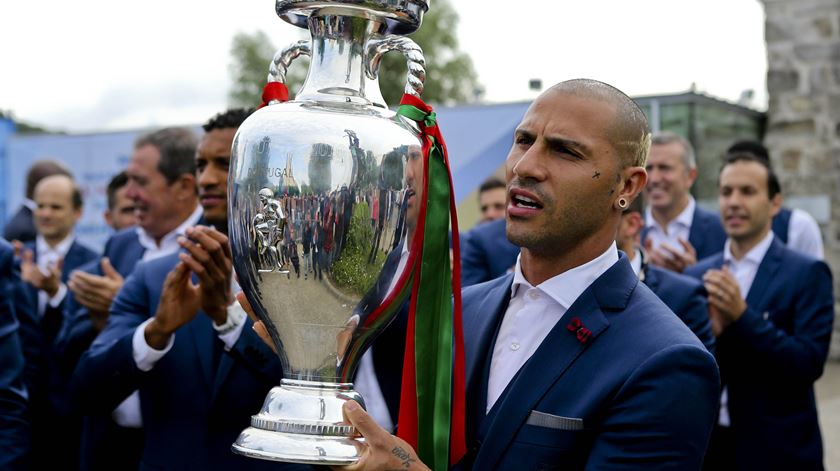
(486, 253)
(21, 227)
(14, 424)
(678, 232)
(175, 334)
(45, 267)
(571, 362)
(683, 294)
(161, 183)
(773, 310)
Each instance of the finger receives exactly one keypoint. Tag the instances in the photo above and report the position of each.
(364, 424)
(192, 264)
(686, 245)
(243, 301)
(194, 249)
(109, 270)
(217, 264)
(18, 246)
(28, 257)
(262, 333)
(648, 244)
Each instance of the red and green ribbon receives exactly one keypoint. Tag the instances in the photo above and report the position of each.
(432, 399)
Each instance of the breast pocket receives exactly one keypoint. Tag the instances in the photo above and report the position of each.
(544, 448)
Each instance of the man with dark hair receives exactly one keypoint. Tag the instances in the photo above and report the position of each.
(570, 361)
(683, 294)
(21, 226)
(772, 309)
(794, 227)
(162, 185)
(678, 232)
(492, 196)
(14, 423)
(485, 251)
(120, 212)
(45, 268)
(176, 334)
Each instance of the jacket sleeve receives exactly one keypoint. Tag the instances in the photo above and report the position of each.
(253, 354)
(801, 354)
(474, 264)
(649, 425)
(695, 314)
(14, 427)
(106, 373)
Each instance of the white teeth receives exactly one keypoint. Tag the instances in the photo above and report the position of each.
(525, 200)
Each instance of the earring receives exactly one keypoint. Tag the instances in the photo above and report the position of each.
(622, 203)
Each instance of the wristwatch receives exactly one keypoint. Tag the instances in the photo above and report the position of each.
(235, 317)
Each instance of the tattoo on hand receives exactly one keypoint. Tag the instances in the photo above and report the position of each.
(404, 455)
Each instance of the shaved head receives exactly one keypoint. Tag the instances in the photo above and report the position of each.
(628, 132)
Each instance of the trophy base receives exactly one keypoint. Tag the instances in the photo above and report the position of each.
(302, 422)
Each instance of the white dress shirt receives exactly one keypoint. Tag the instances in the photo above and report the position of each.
(744, 271)
(804, 234)
(532, 313)
(48, 257)
(366, 382)
(676, 229)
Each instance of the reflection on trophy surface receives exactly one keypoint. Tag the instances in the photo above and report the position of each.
(324, 194)
(268, 225)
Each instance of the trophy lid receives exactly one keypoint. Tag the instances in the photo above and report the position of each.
(400, 16)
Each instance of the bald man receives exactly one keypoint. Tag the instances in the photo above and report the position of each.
(571, 362)
(45, 267)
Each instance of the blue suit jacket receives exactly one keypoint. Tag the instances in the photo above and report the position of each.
(629, 383)
(38, 334)
(771, 356)
(21, 226)
(486, 253)
(686, 297)
(192, 409)
(14, 427)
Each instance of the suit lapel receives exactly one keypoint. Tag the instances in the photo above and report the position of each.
(698, 228)
(71, 261)
(554, 356)
(202, 335)
(481, 324)
(765, 275)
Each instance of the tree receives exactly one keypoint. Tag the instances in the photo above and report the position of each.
(450, 76)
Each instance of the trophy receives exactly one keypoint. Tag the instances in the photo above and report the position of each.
(324, 192)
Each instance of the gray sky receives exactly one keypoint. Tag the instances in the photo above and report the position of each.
(101, 64)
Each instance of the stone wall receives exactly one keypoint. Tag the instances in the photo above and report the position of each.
(803, 127)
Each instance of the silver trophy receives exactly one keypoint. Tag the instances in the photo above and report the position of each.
(324, 193)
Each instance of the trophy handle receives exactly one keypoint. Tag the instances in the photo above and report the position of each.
(376, 48)
(284, 57)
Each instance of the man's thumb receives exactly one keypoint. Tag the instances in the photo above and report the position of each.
(109, 269)
(364, 423)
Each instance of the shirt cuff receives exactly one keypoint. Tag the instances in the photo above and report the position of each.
(145, 356)
(236, 316)
(59, 295)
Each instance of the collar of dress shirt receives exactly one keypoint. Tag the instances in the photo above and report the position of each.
(32, 205)
(636, 262)
(684, 219)
(169, 241)
(754, 256)
(566, 287)
(60, 249)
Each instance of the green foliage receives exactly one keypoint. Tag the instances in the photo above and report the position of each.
(352, 272)
(251, 56)
(450, 76)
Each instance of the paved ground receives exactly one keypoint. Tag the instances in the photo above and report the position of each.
(828, 403)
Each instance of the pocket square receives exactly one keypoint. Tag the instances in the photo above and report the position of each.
(543, 419)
